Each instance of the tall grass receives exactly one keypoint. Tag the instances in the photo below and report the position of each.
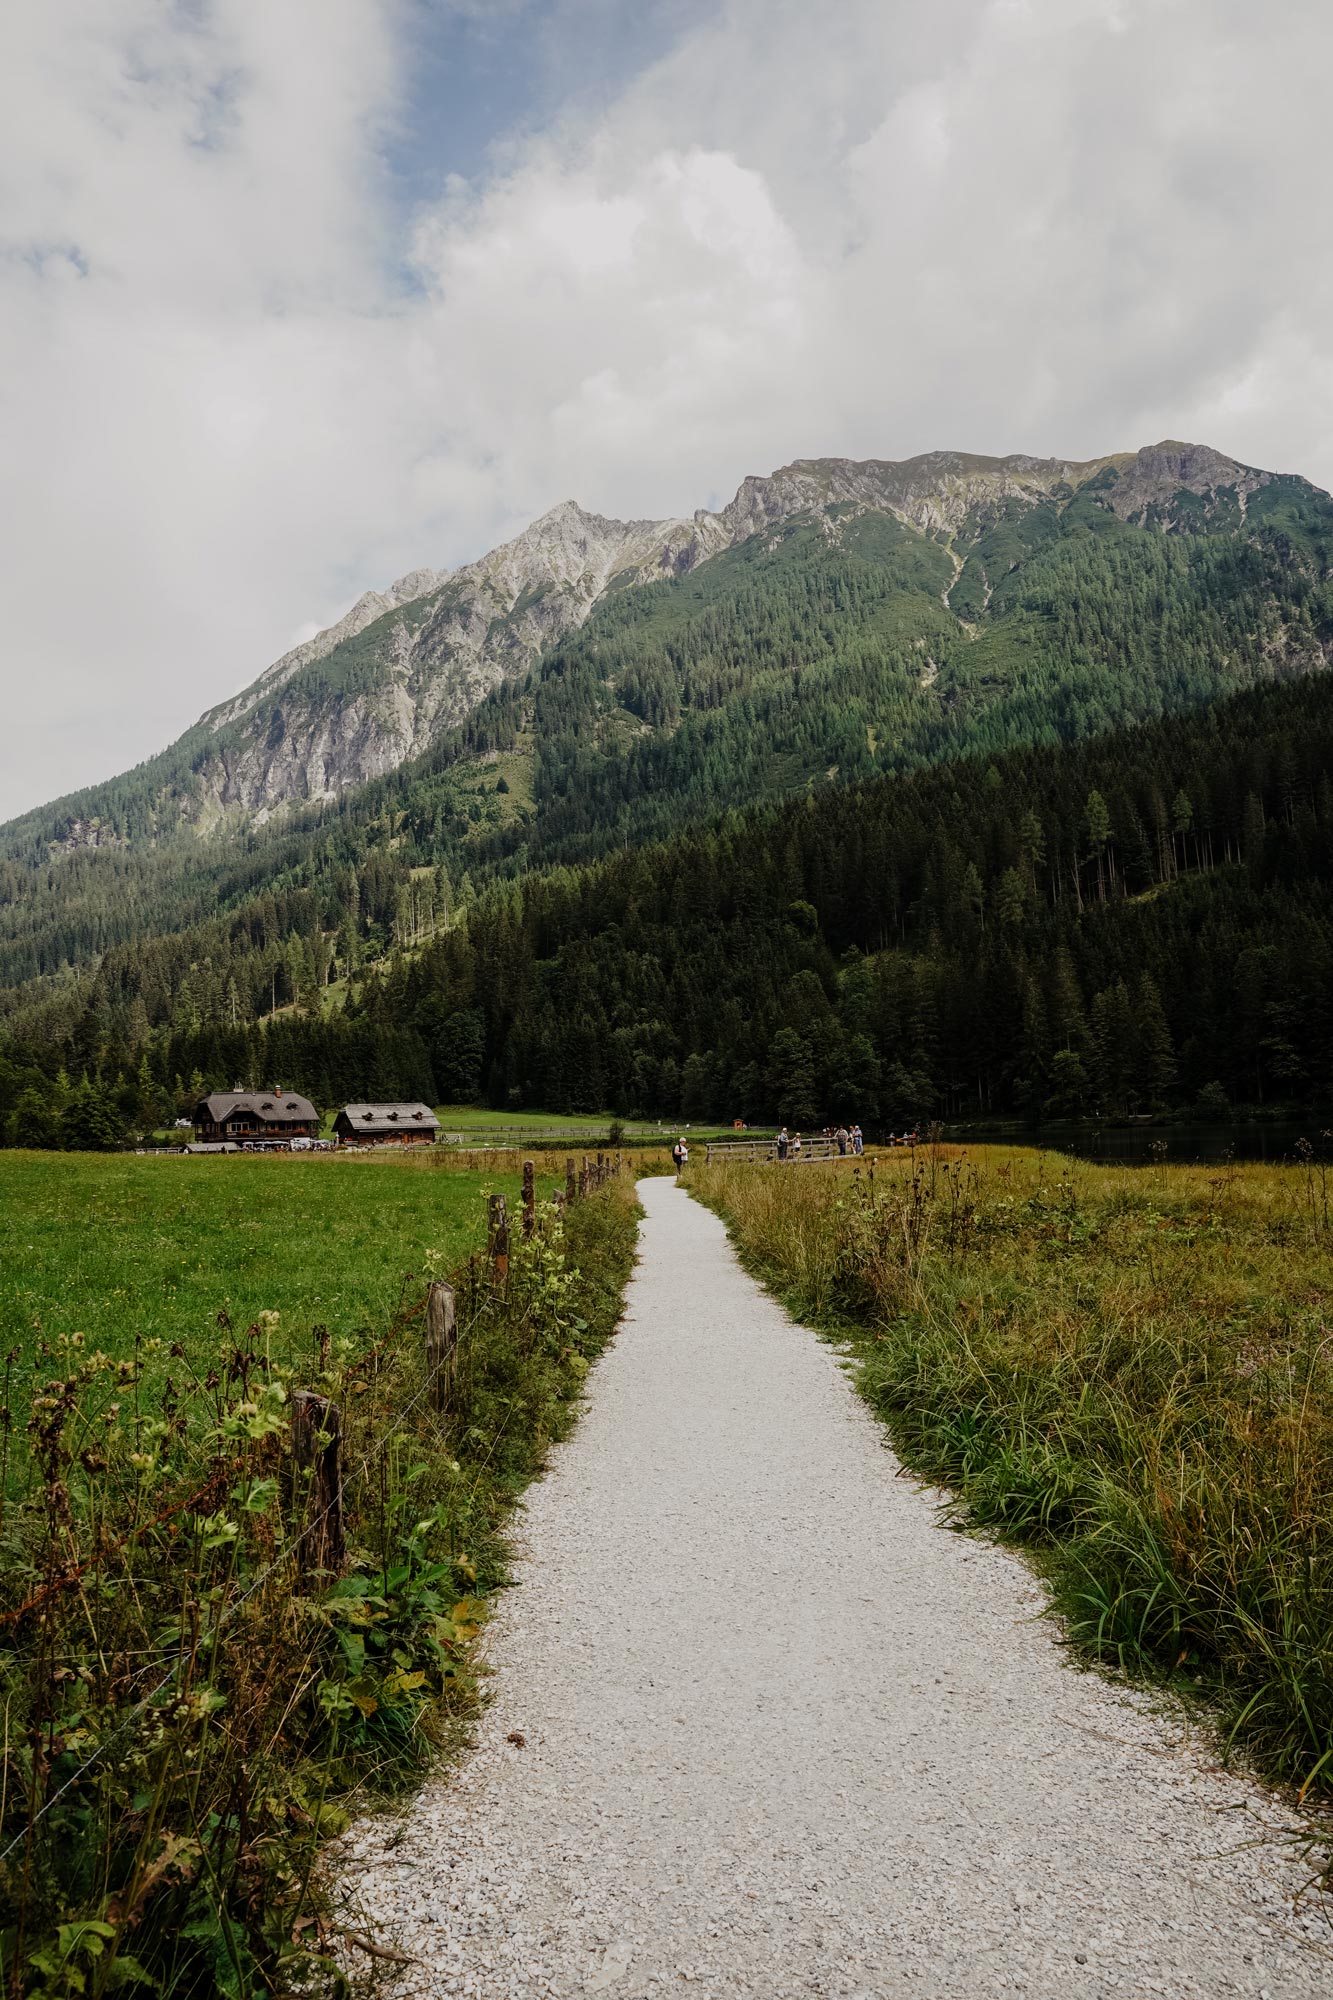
(193, 1693)
(1130, 1370)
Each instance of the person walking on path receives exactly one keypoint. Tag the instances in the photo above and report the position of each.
(783, 1143)
(680, 1153)
(843, 1141)
(796, 1146)
(858, 1143)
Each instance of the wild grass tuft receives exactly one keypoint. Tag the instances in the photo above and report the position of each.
(1129, 1370)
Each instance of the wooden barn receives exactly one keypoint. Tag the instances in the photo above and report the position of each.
(255, 1114)
(387, 1125)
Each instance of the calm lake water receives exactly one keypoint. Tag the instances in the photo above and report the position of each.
(1187, 1145)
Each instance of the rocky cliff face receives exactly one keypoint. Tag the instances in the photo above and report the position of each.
(411, 661)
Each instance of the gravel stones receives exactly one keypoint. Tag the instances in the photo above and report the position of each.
(762, 1726)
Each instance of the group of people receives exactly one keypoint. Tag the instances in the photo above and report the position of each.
(847, 1139)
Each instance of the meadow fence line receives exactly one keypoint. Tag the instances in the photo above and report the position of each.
(299, 1591)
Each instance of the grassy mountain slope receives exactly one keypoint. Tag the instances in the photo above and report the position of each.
(837, 641)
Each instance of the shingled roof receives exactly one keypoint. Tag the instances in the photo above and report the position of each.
(375, 1119)
(269, 1107)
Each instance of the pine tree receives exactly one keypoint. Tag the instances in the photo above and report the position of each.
(1097, 821)
(791, 1079)
(1155, 1058)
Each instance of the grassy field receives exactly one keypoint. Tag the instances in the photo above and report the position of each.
(1128, 1369)
(114, 1247)
(474, 1118)
(213, 1648)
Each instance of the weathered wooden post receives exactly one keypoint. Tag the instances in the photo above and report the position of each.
(571, 1180)
(317, 1450)
(441, 1344)
(529, 1197)
(583, 1178)
(498, 1233)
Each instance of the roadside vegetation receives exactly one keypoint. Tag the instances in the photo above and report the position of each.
(211, 1653)
(1129, 1371)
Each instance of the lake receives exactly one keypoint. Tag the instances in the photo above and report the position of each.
(1186, 1145)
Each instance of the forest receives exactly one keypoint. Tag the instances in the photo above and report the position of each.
(1137, 921)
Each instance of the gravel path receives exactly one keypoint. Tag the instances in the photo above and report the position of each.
(784, 1735)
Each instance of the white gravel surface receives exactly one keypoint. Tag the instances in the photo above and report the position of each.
(785, 1735)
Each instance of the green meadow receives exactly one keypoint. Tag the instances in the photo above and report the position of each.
(119, 1247)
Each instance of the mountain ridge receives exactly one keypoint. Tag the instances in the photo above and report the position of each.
(406, 664)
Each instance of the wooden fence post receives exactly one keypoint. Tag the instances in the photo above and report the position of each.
(498, 1233)
(441, 1344)
(571, 1181)
(529, 1197)
(322, 1545)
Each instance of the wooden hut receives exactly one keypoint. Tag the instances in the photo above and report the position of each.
(255, 1114)
(387, 1125)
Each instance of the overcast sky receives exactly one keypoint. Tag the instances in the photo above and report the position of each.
(296, 295)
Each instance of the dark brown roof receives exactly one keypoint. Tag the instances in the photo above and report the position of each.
(268, 1107)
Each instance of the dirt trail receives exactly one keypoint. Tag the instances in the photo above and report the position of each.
(784, 1735)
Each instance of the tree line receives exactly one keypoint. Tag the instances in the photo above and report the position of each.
(1139, 921)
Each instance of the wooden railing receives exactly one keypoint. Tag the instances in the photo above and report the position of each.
(767, 1149)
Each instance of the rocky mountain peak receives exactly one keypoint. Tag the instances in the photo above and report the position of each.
(442, 641)
(1153, 476)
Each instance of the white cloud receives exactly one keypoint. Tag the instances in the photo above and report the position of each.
(873, 227)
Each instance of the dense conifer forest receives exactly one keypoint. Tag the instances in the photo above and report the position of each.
(1139, 920)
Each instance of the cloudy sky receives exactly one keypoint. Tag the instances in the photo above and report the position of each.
(296, 295)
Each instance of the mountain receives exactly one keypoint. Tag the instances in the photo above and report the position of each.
(406, 666)
(594, 686)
